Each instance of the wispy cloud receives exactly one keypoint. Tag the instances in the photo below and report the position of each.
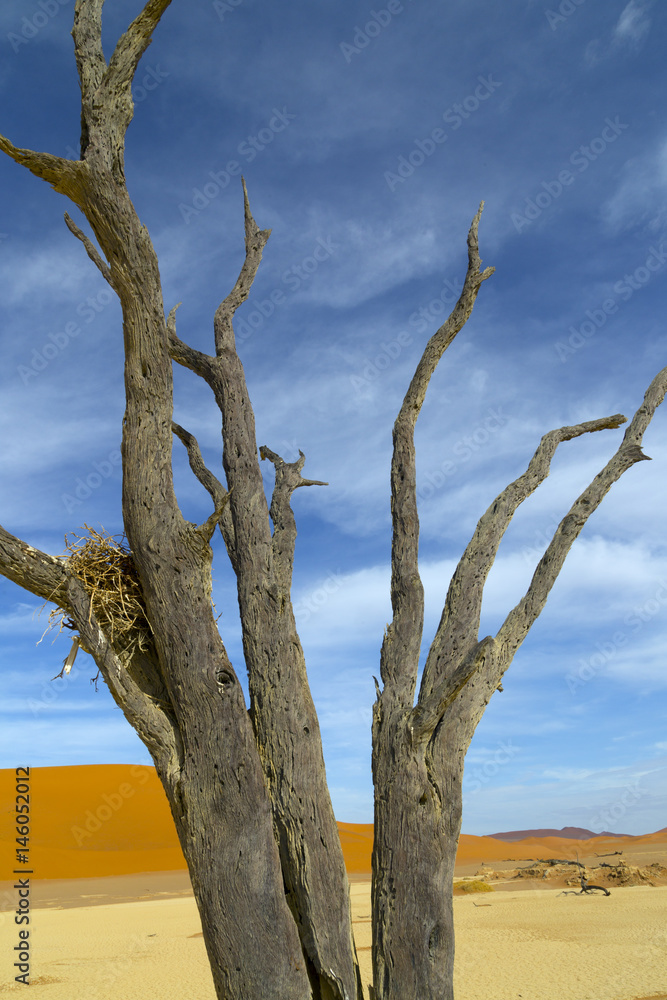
(634, 23)
(639, 200)
(629, 33)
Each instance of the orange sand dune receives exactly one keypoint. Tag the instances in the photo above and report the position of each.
(114, 819)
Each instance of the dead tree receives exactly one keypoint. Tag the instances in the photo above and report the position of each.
(419, 747)
(587, 887)
(247, 790)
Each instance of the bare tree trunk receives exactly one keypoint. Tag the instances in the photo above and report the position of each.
(248, 792)
(417, 823)
(419, 749)
(282, 711)
(204, 751)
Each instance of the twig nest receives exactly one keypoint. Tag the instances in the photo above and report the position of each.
(104, 565)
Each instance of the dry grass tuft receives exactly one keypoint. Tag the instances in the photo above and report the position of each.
(473, 885)
(106, 569)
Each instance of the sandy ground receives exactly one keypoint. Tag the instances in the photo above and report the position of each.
(100, 931)
(534, 945)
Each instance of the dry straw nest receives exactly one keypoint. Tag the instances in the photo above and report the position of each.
(105, 567)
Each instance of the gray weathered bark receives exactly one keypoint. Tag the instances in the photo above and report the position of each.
(419, 748)
(247, 790)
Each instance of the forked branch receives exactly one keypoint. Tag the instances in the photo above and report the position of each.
(520, 619)
(255, 241)
(132, 45)
(288, 479)
(430, 708)
(106, 94)
(180, 352)
(459, 625)
(224, 374)
(210, 482)
(400, 649)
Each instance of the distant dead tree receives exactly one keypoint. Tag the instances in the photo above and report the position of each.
(247, 789)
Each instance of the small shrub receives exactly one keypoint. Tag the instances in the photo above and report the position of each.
(475, 885)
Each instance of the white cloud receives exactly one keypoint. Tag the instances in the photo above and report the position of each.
(630, 31)
(23, 620)
(58, 272)
(640, 196)
(567, 773)
(634, 22)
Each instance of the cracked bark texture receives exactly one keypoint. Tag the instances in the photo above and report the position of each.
(419, 747)
(247, 790)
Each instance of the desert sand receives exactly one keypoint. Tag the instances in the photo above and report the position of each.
(113, 914)
(536, 945)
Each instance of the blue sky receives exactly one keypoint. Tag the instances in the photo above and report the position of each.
(367, 137)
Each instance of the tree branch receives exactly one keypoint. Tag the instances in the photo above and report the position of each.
(47, 577)
(107, 107)
(62, 174)
(459, 624)
(91, 250)
(288, 479)
(430, 708)
(132, 45)
(134, 682)
(400, 649)
(219, 495)
(183, 354)
(520, 619)
(43, 575)
(90, 62)
(255, 241)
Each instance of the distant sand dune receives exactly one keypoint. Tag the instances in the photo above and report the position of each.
(113, 819)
